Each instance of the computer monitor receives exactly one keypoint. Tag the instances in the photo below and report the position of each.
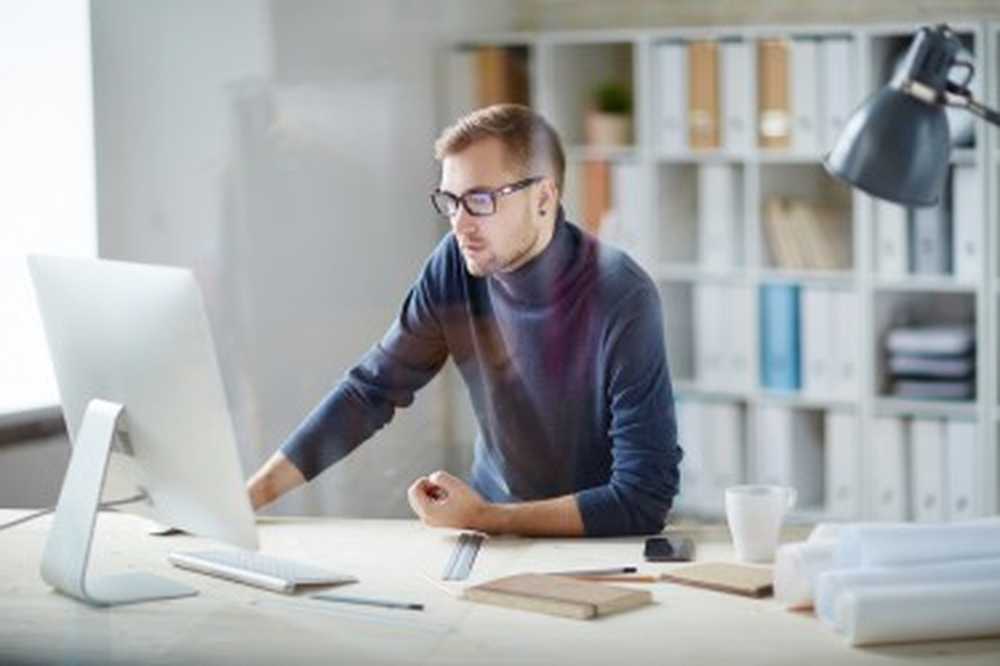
(146, 411)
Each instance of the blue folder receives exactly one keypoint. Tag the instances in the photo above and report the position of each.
(779, 337)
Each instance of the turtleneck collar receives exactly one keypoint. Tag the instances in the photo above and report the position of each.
(541, 279)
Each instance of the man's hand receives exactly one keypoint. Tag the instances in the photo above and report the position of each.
(441, 500)
(275, 478)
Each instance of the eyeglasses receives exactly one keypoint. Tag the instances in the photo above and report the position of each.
(478, 202)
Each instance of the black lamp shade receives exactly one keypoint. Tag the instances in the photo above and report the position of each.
(894, 147)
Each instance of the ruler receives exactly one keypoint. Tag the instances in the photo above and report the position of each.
(463, 557)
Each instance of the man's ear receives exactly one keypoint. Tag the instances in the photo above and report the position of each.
(548, 196)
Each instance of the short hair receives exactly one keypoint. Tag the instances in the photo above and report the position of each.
(532, 146)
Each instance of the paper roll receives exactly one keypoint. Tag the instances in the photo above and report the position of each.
(796, 569)
(904, 613)
(911, 544)
(832, 584)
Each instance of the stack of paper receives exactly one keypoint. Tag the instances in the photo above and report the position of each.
(933, 362)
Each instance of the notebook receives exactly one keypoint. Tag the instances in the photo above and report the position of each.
(558, 595)
(744, 579)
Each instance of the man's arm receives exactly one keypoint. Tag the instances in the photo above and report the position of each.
(441, 500)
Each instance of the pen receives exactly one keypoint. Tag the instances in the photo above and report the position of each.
(344, 599)
(613, 571)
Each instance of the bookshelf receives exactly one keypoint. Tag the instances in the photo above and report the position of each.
(841, 430)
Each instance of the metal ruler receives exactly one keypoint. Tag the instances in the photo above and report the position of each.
(463, 557)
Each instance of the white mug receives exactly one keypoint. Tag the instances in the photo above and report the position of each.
(755, 514)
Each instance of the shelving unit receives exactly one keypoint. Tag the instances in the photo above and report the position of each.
(667, 234)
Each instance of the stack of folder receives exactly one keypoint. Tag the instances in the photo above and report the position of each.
(933, 362)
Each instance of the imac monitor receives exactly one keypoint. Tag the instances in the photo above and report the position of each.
(146, 411)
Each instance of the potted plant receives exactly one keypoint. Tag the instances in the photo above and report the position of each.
(609, 121)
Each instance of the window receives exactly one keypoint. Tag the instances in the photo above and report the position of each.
(47, 182)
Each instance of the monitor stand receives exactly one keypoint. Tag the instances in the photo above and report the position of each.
(67, 551)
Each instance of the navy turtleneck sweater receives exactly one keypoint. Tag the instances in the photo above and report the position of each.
(565, 363)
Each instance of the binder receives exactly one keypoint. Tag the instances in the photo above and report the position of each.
(462, 87)
(789, 451)
(596, 194)
(502, 76)
(930, 246)
(737, 111)
(961, 457)
(804, 71)
(694, 471)
(841, 453)
(739, 343)
(710, 337)
(624, 227)
(818, 359)
(722, 426)
(779, 337)
(703, 95)
(773, 104)
(837, 88)
(890, 465)
(892, 253)
(967, 221)
(845, 345)
(672, 66)
(718, 210)
(927, 440)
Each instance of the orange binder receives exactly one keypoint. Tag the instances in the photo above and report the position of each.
(703, 95)
(774, 118)
(596, 194)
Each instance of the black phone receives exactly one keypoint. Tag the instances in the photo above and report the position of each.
(668, 549)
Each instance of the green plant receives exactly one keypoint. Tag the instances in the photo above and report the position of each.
(613, 97)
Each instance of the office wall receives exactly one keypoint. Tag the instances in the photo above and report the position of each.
(283, 150)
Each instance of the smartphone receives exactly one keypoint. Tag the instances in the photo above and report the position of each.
(668, 549)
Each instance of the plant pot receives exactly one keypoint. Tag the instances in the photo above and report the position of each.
(608, 129)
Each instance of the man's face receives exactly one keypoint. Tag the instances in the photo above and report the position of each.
(516, 232)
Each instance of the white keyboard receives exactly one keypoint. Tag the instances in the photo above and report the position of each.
(252, 568)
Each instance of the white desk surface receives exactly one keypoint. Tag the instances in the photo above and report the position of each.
(402, 560)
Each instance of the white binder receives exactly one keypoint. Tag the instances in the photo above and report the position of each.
(804, 68)
(624, 227)
(710, 339)
(841, 450)
(889, 473)
(671, 65)
(967, 215)
(892, 249)
(816, 323)
(737, 108)
(718, 210)
(738, 341)
(722, 425)
(693, 468)
(837, 89)
(845, 332)
(788, 451)
(961, 457)
(927, 440)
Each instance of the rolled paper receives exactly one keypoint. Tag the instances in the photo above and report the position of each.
(911, 544)
(929, 611)
(796, 569)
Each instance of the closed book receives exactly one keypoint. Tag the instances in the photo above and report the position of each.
(743, 579)
(927, 440)
(841, 454)
(961, 454)
(672, 68)
(930, 238)
(938, 340)
(934, 389)
(890, 468)
(804, 72)
(703, 95)
(837, 88)
(782, 240)
(737, 96)
(892, 246)
(558, 595)
(932, 367)
(774, 123)
(779, 337)
(967, 223)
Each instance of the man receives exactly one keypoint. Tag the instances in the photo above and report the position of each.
(559, 340)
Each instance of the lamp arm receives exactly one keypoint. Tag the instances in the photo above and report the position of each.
(960, 97)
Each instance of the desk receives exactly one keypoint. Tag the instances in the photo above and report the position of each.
(401, 559)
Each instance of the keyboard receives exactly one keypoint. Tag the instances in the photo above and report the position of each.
(252, 568)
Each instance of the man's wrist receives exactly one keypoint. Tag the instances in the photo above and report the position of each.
(494, 518)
